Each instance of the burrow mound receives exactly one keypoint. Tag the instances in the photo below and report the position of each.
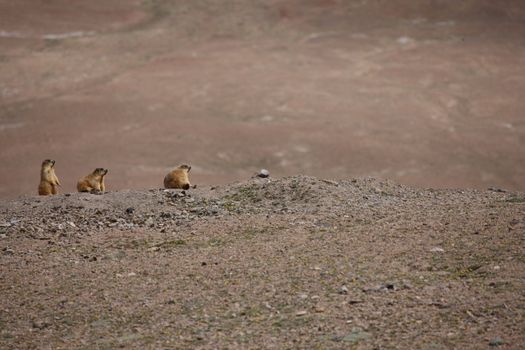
(165, 209)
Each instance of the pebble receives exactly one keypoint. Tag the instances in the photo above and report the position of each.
(8, 251)
(319, 309)
(343, 290)
(497, 341)
(301, 313)
(380, 288)
(149, 221)
(437, 250)
(356, 335)
(40, 324)
(263, 173)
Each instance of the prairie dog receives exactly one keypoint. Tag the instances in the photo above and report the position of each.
(178, 178)
(48, 180)
(93, 182)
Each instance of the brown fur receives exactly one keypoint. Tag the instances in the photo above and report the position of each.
(178, 178)
(93, 182)
(48, 180)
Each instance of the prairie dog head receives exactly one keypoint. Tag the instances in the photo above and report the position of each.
(185, 167)
(100, 172)
(47, 165)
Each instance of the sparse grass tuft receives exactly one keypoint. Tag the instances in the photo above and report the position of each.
(515, 199)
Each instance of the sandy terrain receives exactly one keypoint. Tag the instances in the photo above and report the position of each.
(283, 264)
(422, 93)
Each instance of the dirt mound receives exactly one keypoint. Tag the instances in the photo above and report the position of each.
(297, 262)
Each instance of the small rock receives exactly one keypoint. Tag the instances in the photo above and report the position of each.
(40, 324)
(497, 341)
(8, 251)
(380, 288)
(343, 290)
(301, 313)
(149, 222)
(330, 182)
(495, 189)
(303, 296)
(319, 308)
(214, 209)
(356, 335)
(390, 286)
(130, 210)
(437, 250)
(131, 274)
(72, 224)
(263, 173)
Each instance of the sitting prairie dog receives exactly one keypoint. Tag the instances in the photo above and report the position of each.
(178, 178)
(48, 180)
(93, 182)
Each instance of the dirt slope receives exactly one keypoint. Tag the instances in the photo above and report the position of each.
(426, 93)
(297, 262)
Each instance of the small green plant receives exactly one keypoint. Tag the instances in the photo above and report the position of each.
(515, 199)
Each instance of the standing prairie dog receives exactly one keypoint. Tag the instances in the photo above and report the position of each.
(178, 178)
(48, 179)
(93, 182)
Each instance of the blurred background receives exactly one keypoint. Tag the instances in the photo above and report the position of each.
(427, 93)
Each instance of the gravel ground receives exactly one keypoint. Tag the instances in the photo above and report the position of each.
(297, 262)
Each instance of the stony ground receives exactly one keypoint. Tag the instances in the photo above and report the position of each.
(297, 262)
